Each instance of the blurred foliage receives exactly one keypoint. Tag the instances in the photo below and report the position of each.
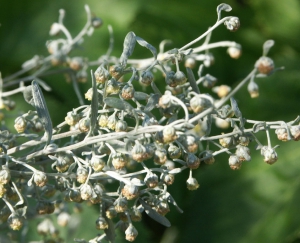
(259, 203)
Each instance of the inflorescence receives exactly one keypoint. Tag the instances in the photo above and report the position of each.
(123, 149)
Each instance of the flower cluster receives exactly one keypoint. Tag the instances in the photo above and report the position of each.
(123, 149)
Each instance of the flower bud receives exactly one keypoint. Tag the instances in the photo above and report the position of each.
(199, 103)
(101, 223)
(167, 178)
(226, 142)
(130, 191)
(264, 65)
(119, 160)
(209, 60)
(86, 191)
(2, 190)
(169, 134)
(208, 157)
(15, 221)
(72, 195)
(295, 132)
(139, 152)
(180, 78)
(243, 153)
(222, 90)
(81, 174)
(82, 76)
(45, 207)
(97, 163)
(131, 233)
(20, 124)
(170, 79)
(282, 134)
(234, 162)
(63, 219)
(111, 122)
(174, 151)
(76, 63)
(116, 71)
(120, 205)
(162, 207)
(135, 214)
(40, 178)
(72, 118)
(96, 22)
(270, 155)
(55, 29)
(121, 126)
(190, 62)
(253, 89)
(151, 180)
(165, 101)
(209, 81)
(160, 156)
(103, 120)
(233, 24)
(190, 142)
(234, 51)
(112, 87)
(147, 78)
(84, 124)
(192, 184)
(192, 161)
(127, 92)
(4, 175)
(101, 75)
(111, 212)
(89, 94)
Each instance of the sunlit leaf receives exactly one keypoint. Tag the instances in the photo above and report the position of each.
(128, 47)
(144, 43)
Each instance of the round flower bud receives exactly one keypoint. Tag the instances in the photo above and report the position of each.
(226, 142)
(112, 87)
(168, 178)
(170, 79)
(127, 92)
(4, 175)
(82, 76)
(15, 221)
(116, 71)
(101, 75)
(57, 59)
(135, 214)
(46, 227)
(45, 207)
(76, 63)
(55, 29)
(2, 190)
(209, 60)
(72, 195)
(162, 207)
(151, 180)
(97, 22)
(192, 184)
(282, 134)
(243, 153)
(40, 178)
(233, 24)
(103, 120)
(121, 126)
(84, 124)
(165, 101)
(119, 160)
(190, 62)
(139, 152)
(72, 118)
(130, 191)
(20, 124)
(244, 140)
(111, 122)
(63, 162)
(264, 65)
(131, 233)
(169, 134)
(81, 174)
(222, 90)
(86, 191)
(295, 132)
(120, 205)
(192, 161)
(234, 162)
(89, 94)
(222, 123)
(234, 51)
(199, 103)
(101, 223)
(209, 81)
(190, 143)
(270, 155)
(208, 157)
(97, 163)
(160, 156)
(146, 78)
(174, 151)
(111, 212)
(180, 78)
(253, 89)
(63, 219)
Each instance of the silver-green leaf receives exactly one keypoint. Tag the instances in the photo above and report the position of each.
(128, 47)
(144, 43)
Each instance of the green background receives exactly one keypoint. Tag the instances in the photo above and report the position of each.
(259, 203)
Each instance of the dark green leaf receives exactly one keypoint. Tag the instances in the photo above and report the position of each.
(155, 215)
(144, 43)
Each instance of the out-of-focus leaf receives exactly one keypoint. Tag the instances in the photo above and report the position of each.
(144, 43)
(128, 47)
(192, 81)
(155, 215)
(267, 46)
(140, 95)
(152, 102)
(27, 93)
(223, 7)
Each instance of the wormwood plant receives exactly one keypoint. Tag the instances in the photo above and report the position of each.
(124, 148)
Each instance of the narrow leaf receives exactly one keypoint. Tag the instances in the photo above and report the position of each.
(42, 110)
(223, 7)
(94, 105)
(128, 47)
(152, 102)
(235, 108)
(191, 79)
(267, 46)
(155, 215)
(140, 95)
(27, 93)
(144, 43)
